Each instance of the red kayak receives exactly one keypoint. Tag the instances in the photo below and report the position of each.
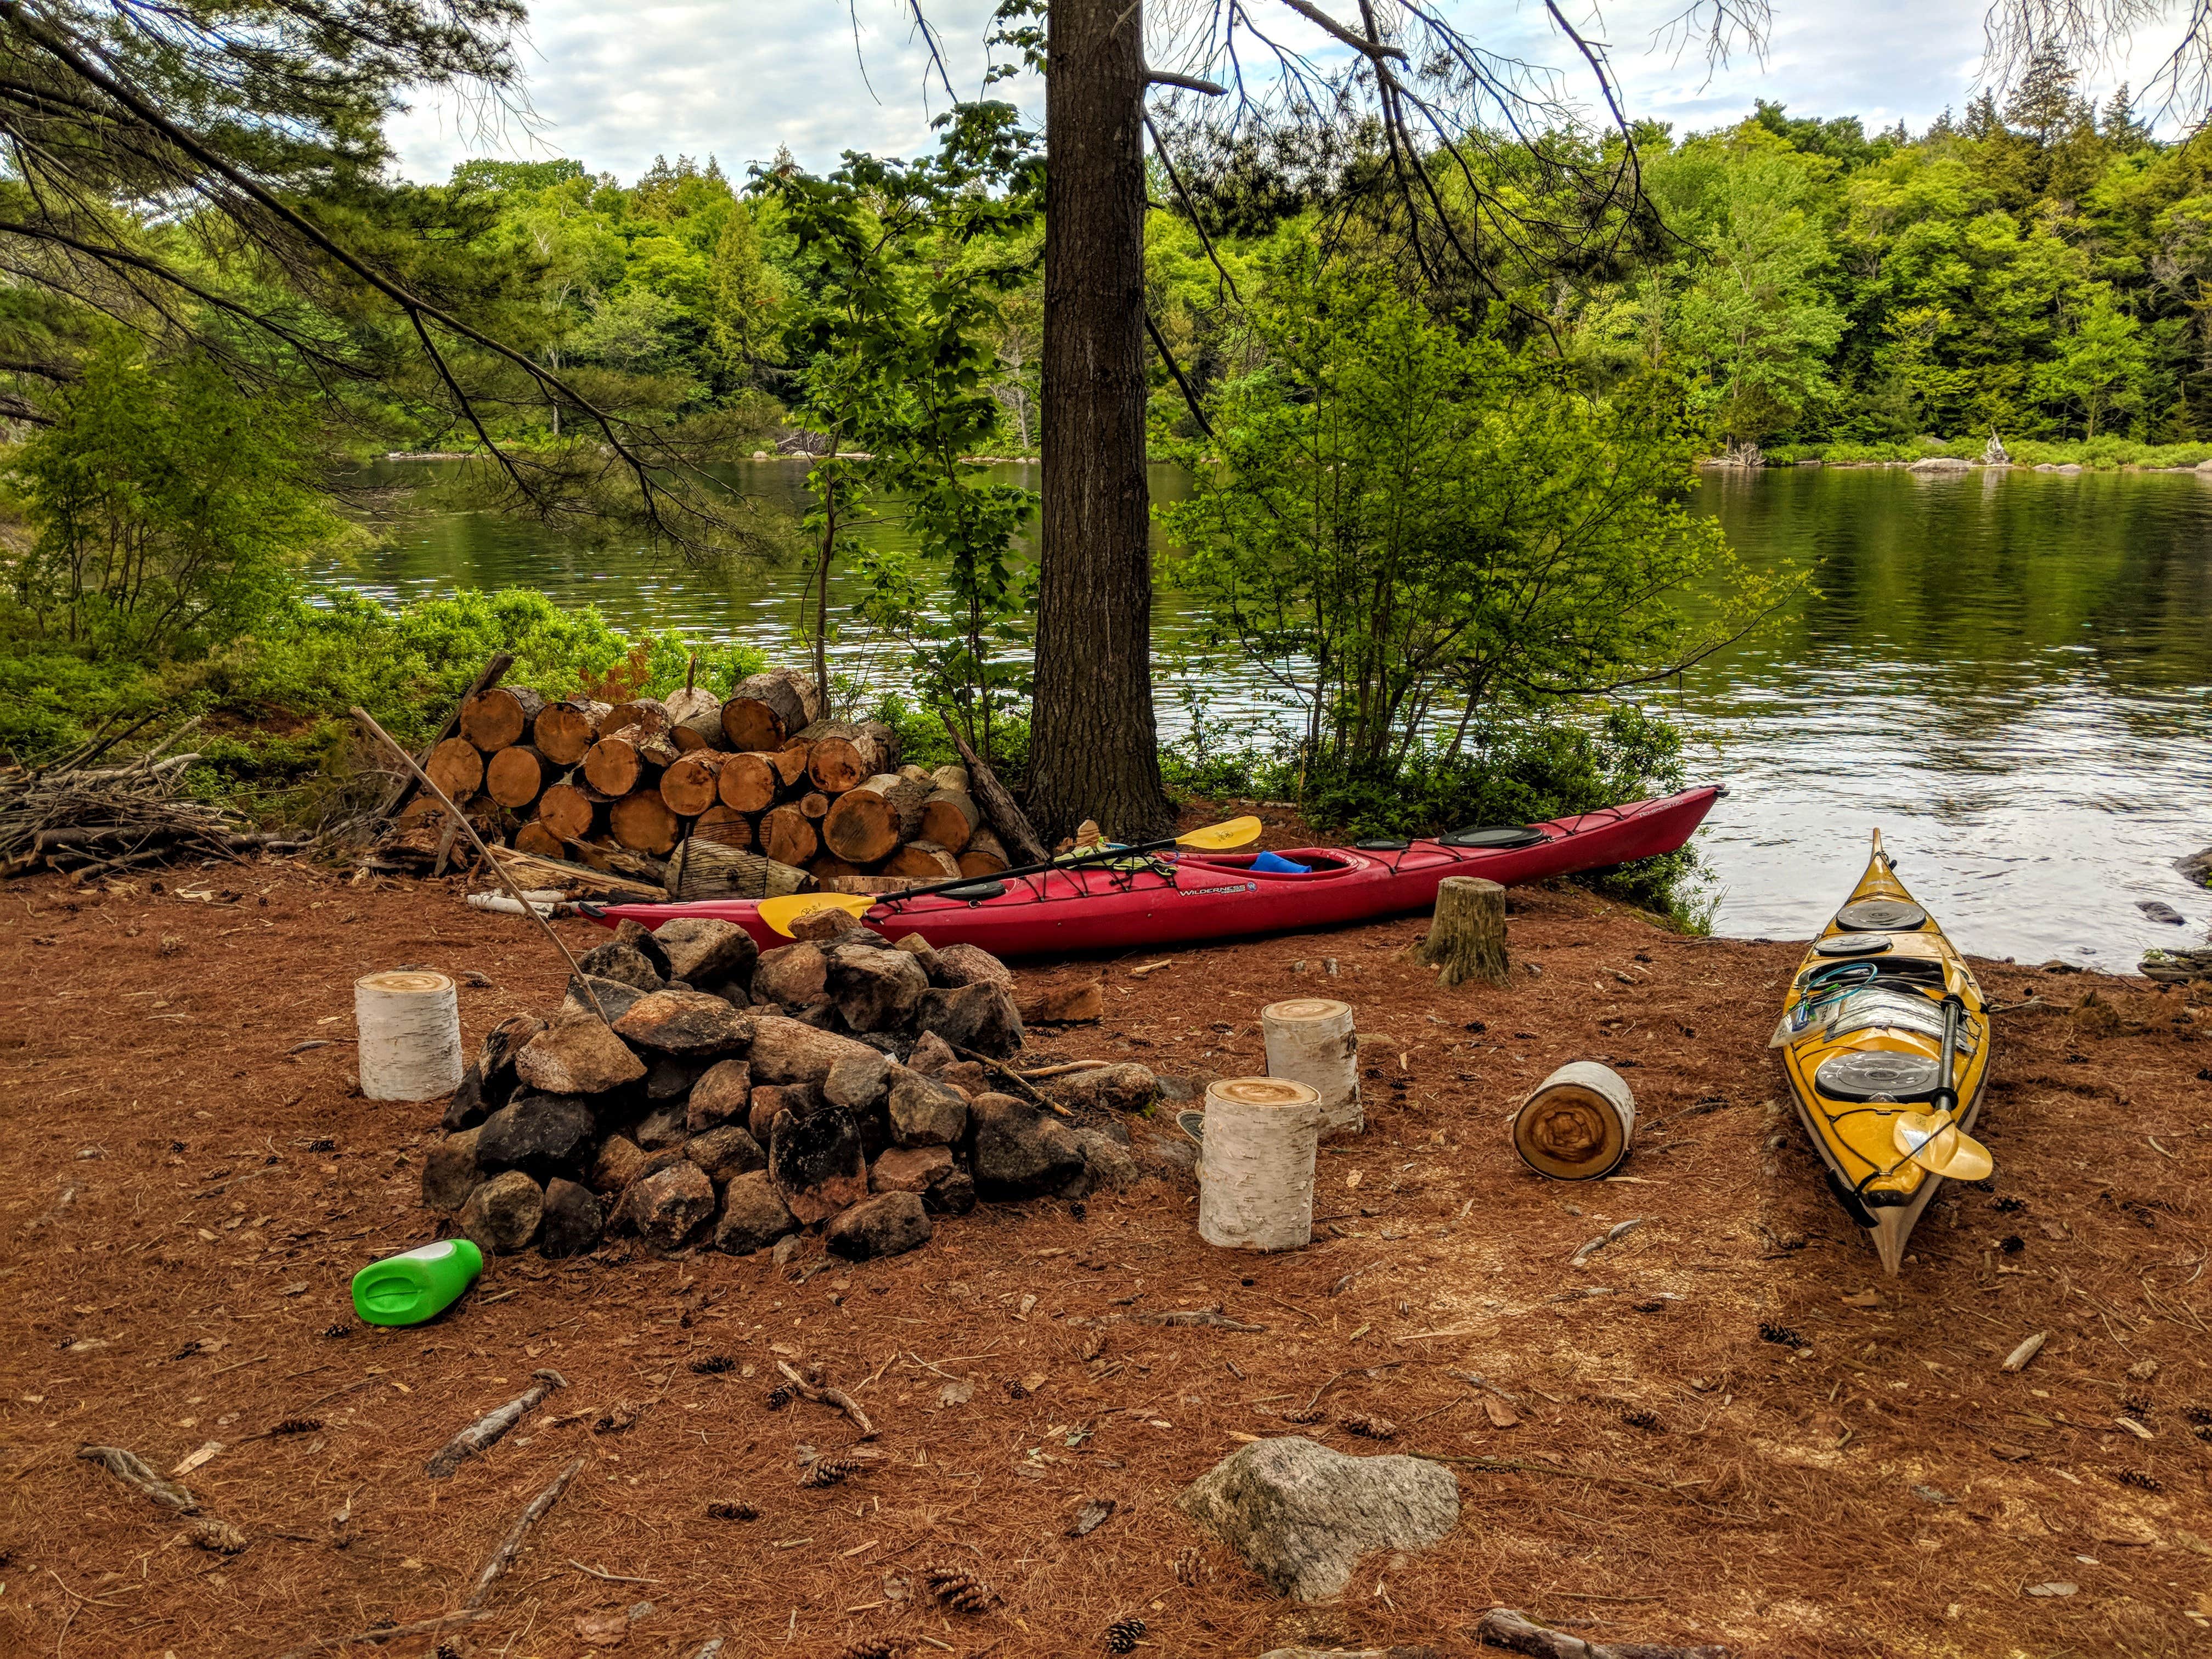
(1223, 895)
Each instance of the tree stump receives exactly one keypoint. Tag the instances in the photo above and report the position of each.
(1466, 934)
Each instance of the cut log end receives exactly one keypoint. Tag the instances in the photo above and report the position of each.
(499, 716)
(642, 823)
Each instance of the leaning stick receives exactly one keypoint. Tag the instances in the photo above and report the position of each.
(583, 983)
(1012, 1077)
(485, 1433)
(1503, 1627)
(821, 1396)
(385, 1633)
(511, 1546)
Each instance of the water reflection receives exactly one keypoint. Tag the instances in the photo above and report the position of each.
(2010, 673)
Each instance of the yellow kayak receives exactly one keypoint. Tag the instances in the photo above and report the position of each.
(1862, 1042)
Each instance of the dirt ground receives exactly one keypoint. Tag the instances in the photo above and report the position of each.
(187, 1182)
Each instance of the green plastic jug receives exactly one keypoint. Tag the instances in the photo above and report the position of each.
(415, 1285)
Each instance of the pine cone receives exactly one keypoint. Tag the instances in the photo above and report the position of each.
(1368, 1428)
(2200, 1415)
(832, 1472)
(2013, 1244)
(337, 1330)
(778, 1397)
(298, 1425)
(1122, 1635)
(1637, 1418)
(1015, 1390)
(2137, 1407)
(1781, 1334)
(714, 1364)
(1304, 1414)
(878, 1647)
(2203, 1431)
(2139, 1480)
(962, 1591)
(731, 1512)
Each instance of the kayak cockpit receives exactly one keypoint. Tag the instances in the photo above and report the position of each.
(1291, 864)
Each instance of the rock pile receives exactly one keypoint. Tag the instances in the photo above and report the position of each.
(733, 1097)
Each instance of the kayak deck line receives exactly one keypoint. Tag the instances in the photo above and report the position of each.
(1198, 897)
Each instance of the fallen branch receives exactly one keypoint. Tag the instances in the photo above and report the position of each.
(129, 1469)
(386, 1634)
(821, 1396)
(1005, 816)
(1502, 1627)
(1580, 1257)
(511, 1546)
(487, 1430)
(1065, 1068)
(1012, 1077)
(1212, 1317)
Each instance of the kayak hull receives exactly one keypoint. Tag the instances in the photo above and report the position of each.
(1202, 896)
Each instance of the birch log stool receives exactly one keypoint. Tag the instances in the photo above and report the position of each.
(1255, 1166)
(410, 1025)
(1310, 1040)
(1466, 934)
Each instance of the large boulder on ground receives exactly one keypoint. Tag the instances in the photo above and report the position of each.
(1302, 1515)
(817, 1162)
(722, 1095)
(789, 1051)
(909, 1168)
(724, 1153)
(702, 951)
(874, 989)
(1123, 1088)
(501, 1216)
(577, 1056)
(792, 974)
(451, 1172)
(754, 1215)
(968, 964)
(613, 997)
(770, 1098)
(981, 1017)
(616, 1164)
(1020, 1151)
(544, 1134)
(623, 963)
(925, 1112)
(859, 1082)
(689, 1024)
(886, 1225)
(669, 1206)
(574, 1220)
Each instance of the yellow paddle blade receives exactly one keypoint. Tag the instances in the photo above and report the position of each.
(781, 912)
(1934, 1141)
(1219, 837)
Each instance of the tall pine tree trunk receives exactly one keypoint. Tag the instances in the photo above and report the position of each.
(1093, 750)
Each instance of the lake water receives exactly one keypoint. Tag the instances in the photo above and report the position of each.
(2010, 673)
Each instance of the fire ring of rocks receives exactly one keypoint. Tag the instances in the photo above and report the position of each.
(736, 1097)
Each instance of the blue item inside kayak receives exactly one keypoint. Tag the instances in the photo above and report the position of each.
(1275, 866)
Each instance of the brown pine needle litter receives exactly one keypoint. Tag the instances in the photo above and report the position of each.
(1768, 1453)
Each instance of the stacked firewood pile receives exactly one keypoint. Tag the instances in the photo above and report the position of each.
(749, 795)
(730, 1098)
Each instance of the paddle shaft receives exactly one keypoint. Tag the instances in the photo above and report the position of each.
(1946, 1093)
(1103, 852)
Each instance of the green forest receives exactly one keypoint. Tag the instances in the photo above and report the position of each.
(2036, 269)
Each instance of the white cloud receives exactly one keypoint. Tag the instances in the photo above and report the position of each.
(615, 88)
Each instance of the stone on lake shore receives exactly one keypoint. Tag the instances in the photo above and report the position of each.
(577, 1056)
(501, 1216)
(890, 1224)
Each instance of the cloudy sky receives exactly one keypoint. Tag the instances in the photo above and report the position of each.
(615, 87)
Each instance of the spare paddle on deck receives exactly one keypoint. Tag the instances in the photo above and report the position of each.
(1934, 1139)
(781, 912)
